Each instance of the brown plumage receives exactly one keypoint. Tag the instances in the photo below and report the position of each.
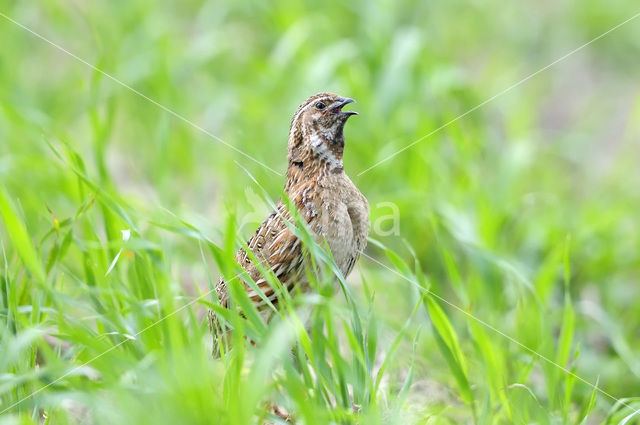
(332, 206)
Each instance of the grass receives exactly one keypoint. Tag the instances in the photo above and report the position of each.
(522, 214)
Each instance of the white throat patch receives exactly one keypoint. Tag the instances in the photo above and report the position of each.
(320, 148)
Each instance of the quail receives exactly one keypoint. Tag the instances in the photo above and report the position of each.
(328, 201)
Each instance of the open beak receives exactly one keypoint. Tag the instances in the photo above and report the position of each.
(337, 109)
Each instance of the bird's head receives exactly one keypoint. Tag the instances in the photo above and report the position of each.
(317, 130)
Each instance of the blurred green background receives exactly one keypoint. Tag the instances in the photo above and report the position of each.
(523, 212)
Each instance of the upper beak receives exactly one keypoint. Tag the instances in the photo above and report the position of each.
(337, 109)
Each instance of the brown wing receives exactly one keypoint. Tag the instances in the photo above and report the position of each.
(277, 248)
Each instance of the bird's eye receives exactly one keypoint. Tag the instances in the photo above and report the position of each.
(320, 105)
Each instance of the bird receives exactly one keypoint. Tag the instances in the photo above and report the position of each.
(335, 211)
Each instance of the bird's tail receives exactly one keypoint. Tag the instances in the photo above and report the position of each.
(219, 334)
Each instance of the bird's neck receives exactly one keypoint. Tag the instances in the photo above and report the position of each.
(313, 166)
(299, 173)
(313, 155)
